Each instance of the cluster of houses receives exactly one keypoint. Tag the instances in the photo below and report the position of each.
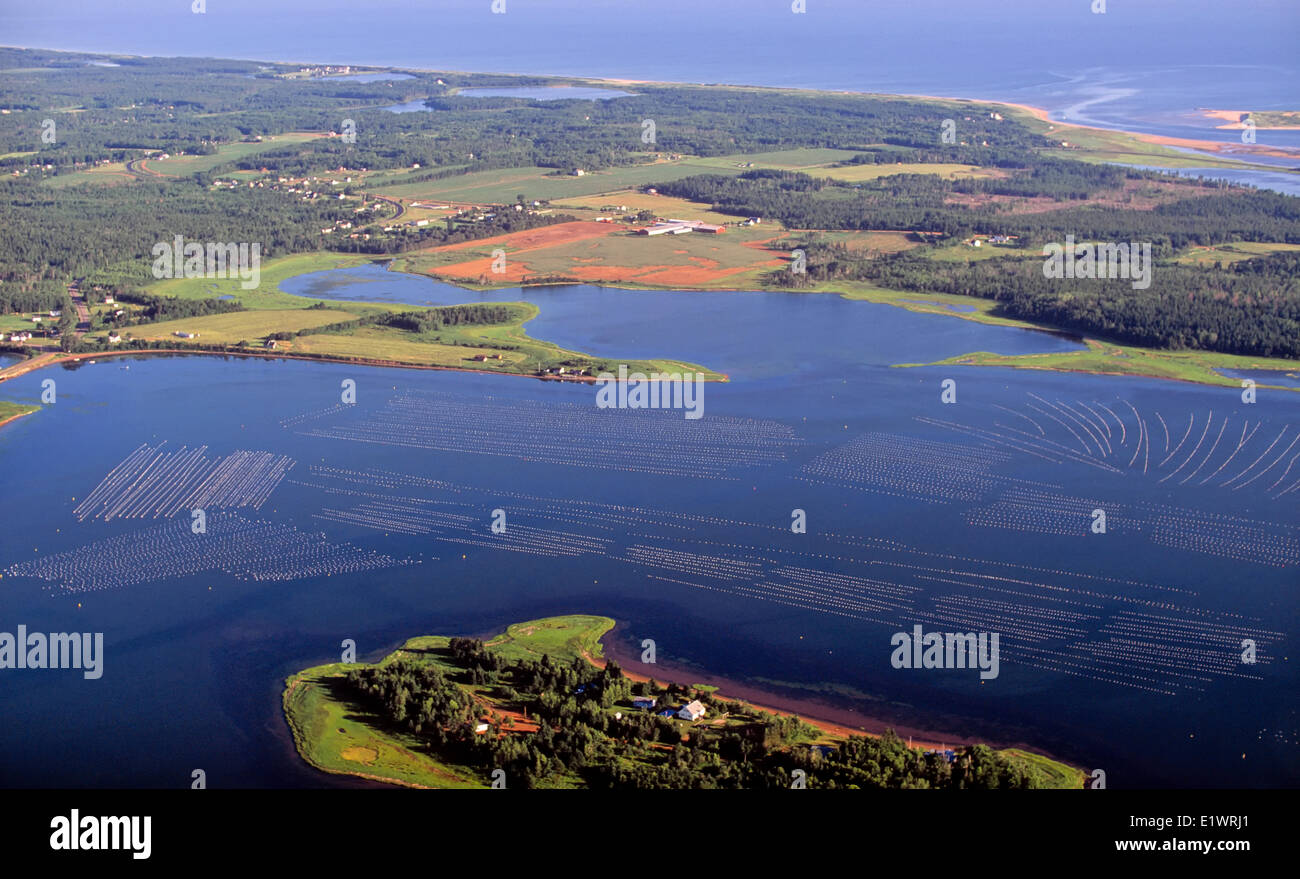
(979, 240)
(322, 70)
(691, 711)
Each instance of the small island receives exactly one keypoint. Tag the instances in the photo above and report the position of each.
(10, 411)
(539, 707)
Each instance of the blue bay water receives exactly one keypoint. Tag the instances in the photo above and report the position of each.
(195, 664)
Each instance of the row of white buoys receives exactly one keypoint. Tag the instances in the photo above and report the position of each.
(313, 414)
(415, 516)
(1117, 631)
(565, 433)
(153, 482)
(248, 549)
(909, 467)
(1093, 432)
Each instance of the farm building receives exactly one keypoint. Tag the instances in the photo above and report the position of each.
(677, 227)
(643, 702)
(664, 229)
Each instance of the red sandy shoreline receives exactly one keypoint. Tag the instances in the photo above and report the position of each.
(832, 719)
(5, 421)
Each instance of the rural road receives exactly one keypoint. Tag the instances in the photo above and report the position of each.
(401, 208)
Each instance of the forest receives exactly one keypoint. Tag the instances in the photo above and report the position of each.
(1248, 307)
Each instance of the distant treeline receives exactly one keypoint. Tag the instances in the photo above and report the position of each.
(1249, 307)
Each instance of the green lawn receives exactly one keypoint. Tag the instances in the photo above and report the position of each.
(183, 166)
(336, 734)
(503, 185)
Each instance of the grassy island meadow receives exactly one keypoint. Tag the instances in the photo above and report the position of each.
(539, 702)
(13, 411)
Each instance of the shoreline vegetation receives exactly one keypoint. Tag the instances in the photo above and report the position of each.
(13, 411)
(543, 703)
(269, 322)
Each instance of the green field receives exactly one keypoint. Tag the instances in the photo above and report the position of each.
(112, 174)
(782, 160)
(962, 252)
(183, 166)
(1061, 776)
(337, 735)
(1109, 359)
(456, 346)
(236, 326)
(503, 185)
(859, 173)
(268, 293)
(1234, 252)
(635, 201)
